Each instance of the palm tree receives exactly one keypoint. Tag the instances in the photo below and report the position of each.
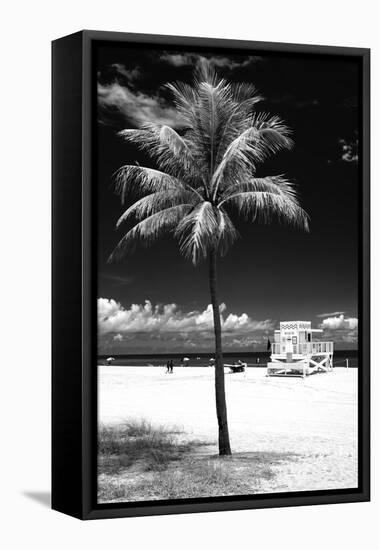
(205, 176)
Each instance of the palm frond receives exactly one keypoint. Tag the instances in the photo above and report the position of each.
(163, 144)
(275, 134)
(198, 231)
(265, 136)
(149, 230)
(245, 92)
(209, 116)
(264, 206)
(206, 73)
(238, 111)
(212, 113)
(185, 100)
(240, 154)
(174, 141)
(227, 233)
(148, 205)
(272, 184)
(134, 180)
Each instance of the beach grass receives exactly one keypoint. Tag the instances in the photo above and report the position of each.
(139, 444)
(140, 461)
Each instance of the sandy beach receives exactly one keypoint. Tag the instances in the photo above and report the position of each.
(306, 428)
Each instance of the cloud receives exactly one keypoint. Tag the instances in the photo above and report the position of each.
(179, 59)
(232, 64)
(169, 323)
(339, 322)
(136, 107)
(117, 280)
(340, 329)
(224, 62)
(131, 75)
(244, 342)
(349, 150)
(333, 314)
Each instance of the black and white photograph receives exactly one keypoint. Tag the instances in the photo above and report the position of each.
(228, 187)
(188, 320)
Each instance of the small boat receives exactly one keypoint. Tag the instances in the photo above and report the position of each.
(239, 366)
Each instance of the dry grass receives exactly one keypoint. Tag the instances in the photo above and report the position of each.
(139, 461)
(138, 444)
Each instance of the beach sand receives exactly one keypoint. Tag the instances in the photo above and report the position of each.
(312, 421)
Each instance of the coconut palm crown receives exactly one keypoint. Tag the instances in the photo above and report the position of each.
(206, 170)
(205, 177)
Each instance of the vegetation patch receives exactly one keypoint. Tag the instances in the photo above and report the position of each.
(139, 461)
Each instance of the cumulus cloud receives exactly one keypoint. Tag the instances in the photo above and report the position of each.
(131, 75)
(169, 322)
(340, 329)
(179, 59)
(339, 322)
(230, 63)
(243, 342)
(332, 314)
(137, 107)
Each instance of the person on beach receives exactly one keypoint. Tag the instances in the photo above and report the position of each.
(168, 365)
(172, 366)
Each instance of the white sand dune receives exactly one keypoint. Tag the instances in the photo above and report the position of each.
(314, 420)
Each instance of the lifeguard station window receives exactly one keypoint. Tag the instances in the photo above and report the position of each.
(309, 336)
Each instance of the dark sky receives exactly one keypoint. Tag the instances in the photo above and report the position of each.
(271, 273)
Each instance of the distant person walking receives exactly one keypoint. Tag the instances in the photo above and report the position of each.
(168, 366)
(172, 366)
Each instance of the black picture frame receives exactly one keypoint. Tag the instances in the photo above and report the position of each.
(74, 285)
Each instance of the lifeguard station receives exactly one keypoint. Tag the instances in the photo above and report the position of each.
(295, 353)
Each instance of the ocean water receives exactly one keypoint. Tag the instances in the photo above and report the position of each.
(253, 359)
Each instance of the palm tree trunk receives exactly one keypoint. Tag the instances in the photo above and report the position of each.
(223, 432)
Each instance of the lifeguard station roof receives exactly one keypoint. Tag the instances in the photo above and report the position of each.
(296, 322)
(297, 325)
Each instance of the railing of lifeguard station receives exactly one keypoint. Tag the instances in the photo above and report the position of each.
(307, 348)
